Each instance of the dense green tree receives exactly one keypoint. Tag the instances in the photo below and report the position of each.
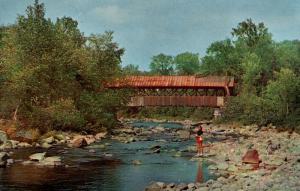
(222, 59)
(187, 63)
(162, 64)
(284, 91)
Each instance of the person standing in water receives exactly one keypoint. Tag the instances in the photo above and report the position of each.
(199, 140)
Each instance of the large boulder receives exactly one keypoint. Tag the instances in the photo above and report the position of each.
(49, 140)
(24, 145)
(79, 143)
(46, 145)
(251, 157)
(37, 156)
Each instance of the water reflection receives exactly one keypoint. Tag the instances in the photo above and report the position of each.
(199, 177)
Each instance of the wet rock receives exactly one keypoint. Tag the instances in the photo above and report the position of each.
(153, 187)
(222, 166)
(14, 143)
(154, 147)
(272, 147)
(177, 154)
(60, 137)
(28, 162)
(136, 162)
(6, 145)
(37, 156)
(171, 185)
(3, 137)
(24, 145)
(161, 184)
(10, 162)
(156, 150)
(3, 159)
(251, 157)
(275, 161)
(46, 145)
(212, 167)
(49, 140)
(191, 185)
(216, 185)
(79, 143)
(90, 140)
(182, 186)
(232, 168)
(99, 136)
(51, 161)
(92, 151)
(159, 129)
(108, 155)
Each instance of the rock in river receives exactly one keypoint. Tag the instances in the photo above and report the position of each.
(49, 140)
(51, 161)
(79, 143)
(37, 156)
(3, 159)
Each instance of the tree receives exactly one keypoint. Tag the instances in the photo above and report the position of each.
(131, 69)
(187, 63)
(249, 32)
(54, 76)
(162, 65)
(222, 59)
(288, 55)
(284, 91)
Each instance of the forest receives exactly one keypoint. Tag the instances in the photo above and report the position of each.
(52, 76)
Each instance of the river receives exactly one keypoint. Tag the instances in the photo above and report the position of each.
(109, 167)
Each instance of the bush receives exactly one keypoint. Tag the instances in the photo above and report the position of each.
(62, 115)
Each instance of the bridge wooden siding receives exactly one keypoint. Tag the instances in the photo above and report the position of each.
(177, 90)
(193, 101)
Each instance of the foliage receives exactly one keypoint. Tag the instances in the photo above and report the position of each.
(162, 64)
(222, 59)
(187, 63)
(54, 76)
(131, 69)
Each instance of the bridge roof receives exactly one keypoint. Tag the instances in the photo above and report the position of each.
(173, 82)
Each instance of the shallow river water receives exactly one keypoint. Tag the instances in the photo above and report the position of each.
(109, 168)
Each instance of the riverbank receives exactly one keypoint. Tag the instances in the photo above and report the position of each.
(272, 161)
(273, 165)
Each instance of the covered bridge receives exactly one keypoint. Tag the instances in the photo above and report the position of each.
(209, 91)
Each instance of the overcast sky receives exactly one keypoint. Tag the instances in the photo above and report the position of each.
(149, 27)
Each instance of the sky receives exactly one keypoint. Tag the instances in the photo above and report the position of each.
(148, 27)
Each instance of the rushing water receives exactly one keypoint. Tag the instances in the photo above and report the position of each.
(99, 171)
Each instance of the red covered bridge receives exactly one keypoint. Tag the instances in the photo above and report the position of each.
(210, 91)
